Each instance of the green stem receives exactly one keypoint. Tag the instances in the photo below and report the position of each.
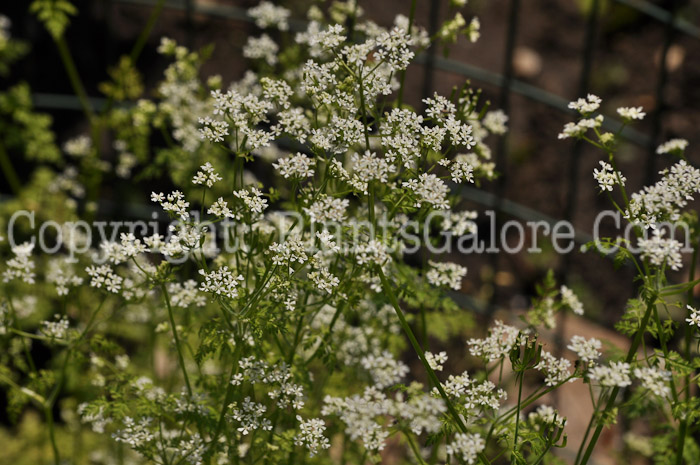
(177, 339)
(52, 433)
(74, 78)
(9, 171)
(517, 414)
(414, 448)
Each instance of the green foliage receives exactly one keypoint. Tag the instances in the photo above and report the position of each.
(54, 14)
(23, 129)
(126, 83)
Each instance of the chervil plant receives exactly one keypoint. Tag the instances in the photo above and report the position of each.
(273, 321)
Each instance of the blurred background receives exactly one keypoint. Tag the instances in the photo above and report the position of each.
(533, 57)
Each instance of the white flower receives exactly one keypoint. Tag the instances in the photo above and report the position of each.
(571, 300)
(461, 170)
(446, 274)
(220, 208)
(393, 47)
(666, 198)
(250, 416)
(311, 435)
(436, 361)
(660, 251)
(547, 415)
(630, 113)
(252, 199)
(607, 177)
(588, 350)
(655, 380)
(206, 175)
(585, 106)
(267, 14)
(429, 189)
(175, 203)
(78, 146)
(424, 413)
(327, 208)
(671, 146)
(213, 130)
(104, 277)
(694, 318)
(385, 370)
(135, 434)
(495, 121)
(466, 447)
(497, 345)
(616, 374)
(262, 48)
(221, 282)
(55, 329)
(295, 166)
(555, 370)
(324, 280)
(21, 266)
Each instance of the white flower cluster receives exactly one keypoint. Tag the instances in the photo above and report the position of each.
(213, 130)
(630, 113)
(327, 208)
(221, 282)
(21, 266)
(324, 280)
(62, 277)
(57, 329)
(446, 274)
(311, 435)
(694, 318)
(586, 106)
(607, 177)
(474, 396)
(555, 370)
(436, 361)
(79, 146)
(424, 413)
(206, 175)
(496, 122)
(429, 189)
(185, 295)
(175, 203)
(615, 374)
(571, 300)
(103, 276)
(546, 415)
(588, 350)
(295, 166)
(359, 414)
(655, 380)
(497, 345)
(665, 199)
(249, 416)
(677, 146)
(253, 199)
(466, 447)
(261, 48)
(288, 252)
(384, 369)
(661, 251)
(135, 434)
(267, 14)
(460, 223)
